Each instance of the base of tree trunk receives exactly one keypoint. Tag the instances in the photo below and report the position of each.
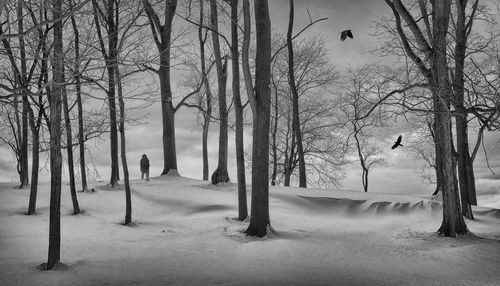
(220, 176)
(58, 266)
(446, 230)
(259, 231)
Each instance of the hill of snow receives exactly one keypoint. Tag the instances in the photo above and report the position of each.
(184, 233)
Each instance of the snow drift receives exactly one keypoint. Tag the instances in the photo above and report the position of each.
(184, 233)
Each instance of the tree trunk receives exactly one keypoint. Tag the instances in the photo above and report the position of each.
(295, 100)
(453, 222)
(110, 58)
(78, 86)
(55, 139)
(259, 220)
(24, 81)
(465, 169)
(69, 146)
(220, 174)
(238, 110)
(163, 44)
(35, 131)
(274, 131)
(111, 66)
(207, 114)
(121, 102)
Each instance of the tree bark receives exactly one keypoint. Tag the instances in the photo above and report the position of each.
(35, 135)
(110, 58)
(245, 62)
(24, 81)
(123, 152)
(453, 222)
(54, 254)
(295, 101)
(465, 168)
(78, 86)
(220, 174)
(259, 220)
(163, 43)
(111, 66)
(69, 146)
(207, 114)
(238, 110)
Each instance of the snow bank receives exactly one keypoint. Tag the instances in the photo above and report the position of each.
(184, 233)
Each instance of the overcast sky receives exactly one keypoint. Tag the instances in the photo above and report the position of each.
(399, 176)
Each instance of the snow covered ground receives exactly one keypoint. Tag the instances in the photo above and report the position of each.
(185, 234)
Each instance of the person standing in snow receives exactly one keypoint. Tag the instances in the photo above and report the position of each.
(144, 167)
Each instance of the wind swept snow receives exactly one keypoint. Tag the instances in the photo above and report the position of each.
(184, 233)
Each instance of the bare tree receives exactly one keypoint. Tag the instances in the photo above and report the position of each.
(162, 35)
(104, 15)
(314, 75)
(55, 138)
(78, 87)
(295, 100)
(69, 149)
(259, 220)
(220, 175)
(238, 110)
(362, 87)
(431, 41)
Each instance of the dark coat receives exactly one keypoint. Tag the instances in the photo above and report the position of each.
(144, 163)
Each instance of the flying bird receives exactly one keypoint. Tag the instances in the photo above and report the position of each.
(398, 142)
(345, 34)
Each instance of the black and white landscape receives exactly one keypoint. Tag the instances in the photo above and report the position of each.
(249, 142)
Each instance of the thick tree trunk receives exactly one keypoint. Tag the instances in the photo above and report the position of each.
(163, 42)
(54, 254)
(69, 146)
(220, 174)
(78, 86)
(238, 110)
(453, 222)
(295, 101)
(259, 220)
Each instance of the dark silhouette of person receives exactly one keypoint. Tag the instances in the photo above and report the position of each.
(144, 167)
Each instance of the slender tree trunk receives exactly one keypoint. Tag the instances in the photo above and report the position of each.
(465, 168)
(295, 100)
(453, 222)
(220, 174)
(259, 220)
(24, 72)
(207, 114)
(78, 86)
(69, 146)
(245, 63)
(289, 157)
(121, 102)
(35, 164)
(238, 110)
(54, 254)
(274, 131)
